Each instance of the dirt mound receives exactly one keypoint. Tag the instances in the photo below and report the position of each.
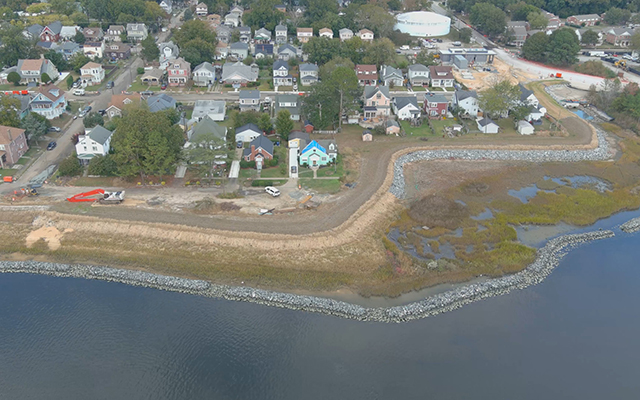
(435, 210)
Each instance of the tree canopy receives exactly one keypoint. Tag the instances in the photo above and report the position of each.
(501, 97)
(617, 16)
(488, 18)
(330, 98)
(9, 109)
(196, 41)
(15, 45)
(284, 124)
(589, 37)
(150, 50)
(535, 47)
(563, 47)
(263, 14)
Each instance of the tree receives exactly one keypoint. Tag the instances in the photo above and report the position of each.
(284, 124)
(57, 59)
(501, 97)
(35, 126)
(9, 111)
(15, 45)
(589, 37)
(197, 51)
(150, 50)
(146, 143)
(66, 7)
(488, 18)
(465, 35)
(264, 123)
(69, 81)
(93, 119)
(79, 38)
(617, 16)
(318, 10)
(45, 78)
(70, 166)
(77, 61)
(80, 18)
(194, 29)
(103, 166)
(426, 58)
(520, 112)
(563, 47)
(520, 11)
(331, 97)
(604, 98)
(206, 149)
(188, 15)
(375, 18)
(535, 47)
(263, 14)
(14, 78)
(381, 51)
(635, 41)
(327, 69)
(537, 20)
(321, 49)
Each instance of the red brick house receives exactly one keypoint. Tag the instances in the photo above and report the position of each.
(261, 149)
(435, 105)
(367, 74)
(51, 32)
(619, 36)
(13, 145)
(586, 19)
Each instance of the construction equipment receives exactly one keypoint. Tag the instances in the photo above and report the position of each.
(621, 64)
(98, 195)
(25, 191)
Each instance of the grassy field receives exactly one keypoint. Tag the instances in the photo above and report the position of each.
(439, 125)
(507, 125)
(321, 185)
(416, 131)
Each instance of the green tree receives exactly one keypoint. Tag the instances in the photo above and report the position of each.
(426, 58)
(57, 59)
(35, 126)
(375, 18)
(333, 96)
(66, 7)
(150, 50)
(635, 41)
(617, 16)
(321, 49)
(284, 124)
(9, 111)
(521, 10)
(188, 15)
(194, 29)
(205, 149)
(70, 166)
(103, 166)
(589, 37)
(501, 97)
(381, 51)
(488, 19)
(520, 112)
(328, 68)
(45, 78)
(79, 38)
(197, 51)
(93, 119)
(563, 47)
(537, 20)
(14, 78)
(353, 49)
(535, 47)
(69, 81)
(465, 35)
(77, 61)
(263, 14)
(264, 123)
(15, 45)
(80, 18)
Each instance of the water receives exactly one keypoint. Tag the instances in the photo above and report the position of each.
(582, 181)
(527, 193)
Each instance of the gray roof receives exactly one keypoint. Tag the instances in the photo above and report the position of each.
(308, 67)
(239, 46)
(281, 28)
(388, 71)
(207, 125)
(135, 27)
(263, 31)
(402, 102)
(55, 27)
(486, 121)
(244, 29)
(435, 98)
(519, 30)
(279, 64)
(463, 94)
(100, 134)
(35, 29)
(202, 108)
(239, 68)
(525, 92)
(264, 48)
(161, 102)
(289, 47)
(418, 67)
(300, 135)
(205, 65)
(288, 98)
(345, 30)
(249, 127)
(249, 94)
(392, 122)
(264, 142)
(371, 90)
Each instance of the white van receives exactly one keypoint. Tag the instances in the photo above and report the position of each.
(78, 92)
(272, 191)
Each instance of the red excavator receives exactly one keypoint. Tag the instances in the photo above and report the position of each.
(99, 195)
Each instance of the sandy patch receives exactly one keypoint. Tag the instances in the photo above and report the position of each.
(50, 234)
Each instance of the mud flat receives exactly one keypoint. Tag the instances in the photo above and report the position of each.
(548, 258)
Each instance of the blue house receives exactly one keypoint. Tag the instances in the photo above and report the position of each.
(319, 153)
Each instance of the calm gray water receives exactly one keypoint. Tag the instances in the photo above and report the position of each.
(575, 336)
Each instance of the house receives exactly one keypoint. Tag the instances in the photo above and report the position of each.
(281, 34)
(391, 76)
(263, 50)
(304, 34)
(367, 136)
(367, 74)
(281, 76)
(418, 75)
(32, 70)
(289, 102)
(93, 50)
(178, 72)
(13, 145)
(345, 34)
(166, 5)
(47, 45)
(473, 55)
(202, 10)
(554, 20)
(238, 73)
(169, 51)
(536, 113)
(527, 97)
(326, 32)
(519, 35)
(308, 74)
(68, 49)
(137, 32)
(117, 51)
(319, 153)
(92, 73)
(584, 19)
(406, 107)
(525, 128)
(308, 126)
(92, 34)
(214, 109)
(247, 133)
(206, 126)
(224, 33)
(233, 19)
(440, 76)
(467, 100)
(619, 36)
(523, 24)
(249, 100)
(245, 34)
(204, 74)
(260, 149)
(377, 102)
(486, 125)
(287, 52)
(281, 7)
(237, 9)
(161, 102)
(222, 50)
(33, 31)
(49, 101)
(95, 142)
(152, 77)
(298, 139)
(69, 32)
(214, 20)
(51, 32)
(435, 105)
(114, 33)
(262, 35)
(365, 35)
(392, 127)
(239, 50)
(119, 102)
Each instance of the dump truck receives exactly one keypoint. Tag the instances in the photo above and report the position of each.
(98, 195)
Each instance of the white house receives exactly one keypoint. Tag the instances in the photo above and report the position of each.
(249, 100)
(204, 74)
(418, 75)
(365, 34)
(166, 5)
(525, 128)
(202, 10)
(281, 76)
(391, 76)
(95, 142)
(467, 100)
(93, 50)
(536, 113)
(485, 125)
(527, 97)
(247, 133)
(345, 34)
(92, 73)
(406, 107)
(326, 32)
(214, 109)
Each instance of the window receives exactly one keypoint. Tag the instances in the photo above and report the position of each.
(95, 148)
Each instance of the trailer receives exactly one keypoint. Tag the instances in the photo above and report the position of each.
(98, 195)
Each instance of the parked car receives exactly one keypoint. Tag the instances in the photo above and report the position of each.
(54, 129)
(102, 112)
(87, 109)
(456, 43)
(272, 191)
(109, 84)
(163, 86)
(51, 145)
(147, 93)
(239, 144)
(82, 114)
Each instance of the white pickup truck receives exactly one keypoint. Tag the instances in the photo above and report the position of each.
(78, 92)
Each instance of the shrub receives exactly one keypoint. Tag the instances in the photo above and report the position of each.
(45, 78)
(103, 166)
(247, 164)
(272, 163)
(14, 78)
(70, 166)
(265, 183)
(140, 70)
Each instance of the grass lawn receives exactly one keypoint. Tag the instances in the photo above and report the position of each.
(399, 89)
(248, 173)
(419, 89)
(507, 125)
(137, 86)
(60, 122)
(75, 106)
(321, 185)
(401, 59)
(323, 172)
(439, 125)
(285, 88)
(7, 172)
(422, 130)
(273, 172)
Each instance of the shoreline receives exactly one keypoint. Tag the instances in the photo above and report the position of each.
(548, 258)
